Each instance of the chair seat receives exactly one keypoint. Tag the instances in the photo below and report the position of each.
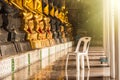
(74, 53)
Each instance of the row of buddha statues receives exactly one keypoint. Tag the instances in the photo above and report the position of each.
(27, 25)
(39, 31)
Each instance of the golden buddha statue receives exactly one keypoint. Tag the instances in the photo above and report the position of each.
(29, 28)
(27, 16)
(42, 33)
(40, 28)
(69, 31)
(63, 33)
(38, 19)
(49, 33)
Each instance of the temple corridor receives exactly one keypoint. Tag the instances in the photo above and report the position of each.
(56, 70)
(37, 36)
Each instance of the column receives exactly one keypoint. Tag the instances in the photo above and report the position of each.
(112, 39)
(108, 34)
(106, 28)
(117, 39)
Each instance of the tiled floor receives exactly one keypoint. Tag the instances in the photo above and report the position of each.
(56, 71)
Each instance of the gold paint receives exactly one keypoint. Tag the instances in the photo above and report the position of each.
(39, 25)
(63, 34)
(29, 5)
(52, 12)
(41, 32)
(56, 13)
(60, 16)
(29, 28)
(49, 33)
(38, 6)
(46, 9)
(38, 34)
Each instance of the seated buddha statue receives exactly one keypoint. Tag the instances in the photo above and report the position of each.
(27, 16)
(48, 31)
(29, 28)
(63, 34)
(38, 18)
(41, 34)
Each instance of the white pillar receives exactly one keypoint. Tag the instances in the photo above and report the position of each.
(108, 34)
(106, 28)
(117, 38)
(112, 39)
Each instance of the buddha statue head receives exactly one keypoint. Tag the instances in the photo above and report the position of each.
(61, 28)
(47, 20)
(38, 17)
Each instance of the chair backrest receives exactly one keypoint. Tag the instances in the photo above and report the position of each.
(85, 42)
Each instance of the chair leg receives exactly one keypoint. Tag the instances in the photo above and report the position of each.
(82, 74)
(66, 66)
(88, 74)
(82, 61)
(88, 64)
(78, 63)
(78, 76)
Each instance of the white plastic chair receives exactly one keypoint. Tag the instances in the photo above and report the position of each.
(84, 41)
